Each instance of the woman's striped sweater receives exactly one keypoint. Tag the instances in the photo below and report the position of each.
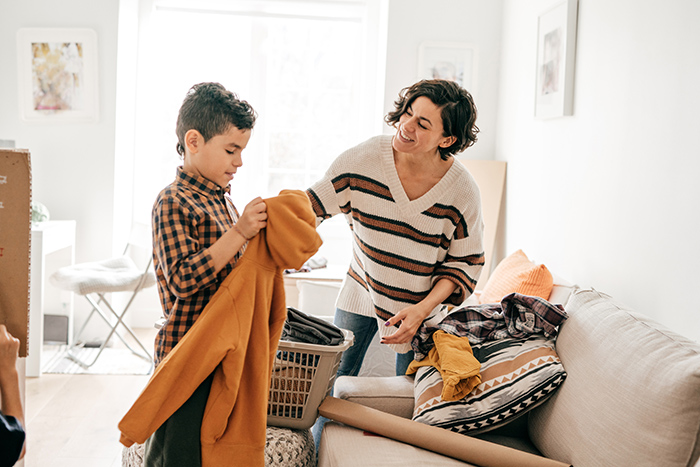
(400, 247)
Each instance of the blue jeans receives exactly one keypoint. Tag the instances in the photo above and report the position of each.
(364, 328)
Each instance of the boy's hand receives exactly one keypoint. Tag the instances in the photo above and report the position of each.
(253, 219)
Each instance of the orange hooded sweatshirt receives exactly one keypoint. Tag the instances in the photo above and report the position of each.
(235, 337)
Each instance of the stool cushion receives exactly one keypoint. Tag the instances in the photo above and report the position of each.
(111, 275)
(283, 447)
(288, 447)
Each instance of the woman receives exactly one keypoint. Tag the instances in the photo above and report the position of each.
(415, 215)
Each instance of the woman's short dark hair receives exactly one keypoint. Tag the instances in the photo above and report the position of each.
(458, 111)
(211, 109)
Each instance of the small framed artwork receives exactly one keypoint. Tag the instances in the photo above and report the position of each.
(57, 74)
(448, 60)
(556, 50)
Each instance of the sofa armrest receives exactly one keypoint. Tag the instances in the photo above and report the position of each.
(390, 394)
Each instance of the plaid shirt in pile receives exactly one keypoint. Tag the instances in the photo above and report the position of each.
(517, 316)
(189, 215)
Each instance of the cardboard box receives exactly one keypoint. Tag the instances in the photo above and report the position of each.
(15, 242)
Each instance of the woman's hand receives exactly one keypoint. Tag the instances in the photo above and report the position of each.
(410, 318)
(253, 219)
(413, 316)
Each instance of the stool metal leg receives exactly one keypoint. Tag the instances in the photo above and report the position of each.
(119, 316)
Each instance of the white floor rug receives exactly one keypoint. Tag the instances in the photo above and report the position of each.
(112, 361)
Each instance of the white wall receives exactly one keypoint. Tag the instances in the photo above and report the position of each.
(72, 164)
(474, 22)
(609, 197)
(605, 198)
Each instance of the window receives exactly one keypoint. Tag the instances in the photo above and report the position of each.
(309, 68)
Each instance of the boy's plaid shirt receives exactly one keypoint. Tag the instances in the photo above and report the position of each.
(189, 215)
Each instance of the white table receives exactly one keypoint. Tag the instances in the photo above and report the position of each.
(53, 246)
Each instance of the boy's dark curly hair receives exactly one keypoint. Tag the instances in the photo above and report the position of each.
(211, 109)
(458, 111)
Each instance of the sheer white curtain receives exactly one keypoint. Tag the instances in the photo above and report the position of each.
(309, 68)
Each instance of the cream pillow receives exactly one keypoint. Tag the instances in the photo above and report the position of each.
(517, 273)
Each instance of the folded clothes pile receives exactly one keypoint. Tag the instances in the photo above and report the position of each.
(300, 327)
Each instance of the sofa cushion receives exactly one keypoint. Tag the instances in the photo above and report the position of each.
(516, 375)
(632, 394)
(382, 439)
(390, 394)
(345, 446)
(561, 291)
(517, 273)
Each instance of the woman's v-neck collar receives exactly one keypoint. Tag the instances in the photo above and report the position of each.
(423, 202)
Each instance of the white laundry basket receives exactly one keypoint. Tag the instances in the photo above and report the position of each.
(302, 376)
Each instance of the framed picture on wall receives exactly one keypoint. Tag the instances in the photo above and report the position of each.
(57, 75)
(556, 50)
(448, 60)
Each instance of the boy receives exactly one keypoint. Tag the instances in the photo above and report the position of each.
(198, 236)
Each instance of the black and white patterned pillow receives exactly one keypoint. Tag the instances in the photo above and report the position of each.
(516, 376)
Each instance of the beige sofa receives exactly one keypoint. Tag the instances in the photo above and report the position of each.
(631, 397)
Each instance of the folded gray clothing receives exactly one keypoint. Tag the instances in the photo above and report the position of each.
(300, 327)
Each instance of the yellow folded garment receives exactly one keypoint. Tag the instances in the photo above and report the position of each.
(452, 356)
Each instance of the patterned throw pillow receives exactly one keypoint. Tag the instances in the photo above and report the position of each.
(517, 375)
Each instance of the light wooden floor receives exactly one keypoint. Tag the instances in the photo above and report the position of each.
(72, 419)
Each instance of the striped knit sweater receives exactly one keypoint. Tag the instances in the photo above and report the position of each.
(400, 247)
